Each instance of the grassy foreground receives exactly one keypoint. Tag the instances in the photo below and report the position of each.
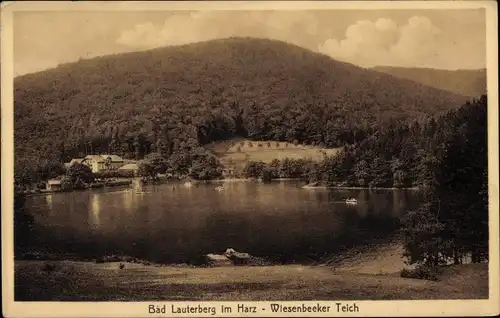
(87, 281)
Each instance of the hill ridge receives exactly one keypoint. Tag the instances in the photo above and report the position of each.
(467, 82)
(180, 97)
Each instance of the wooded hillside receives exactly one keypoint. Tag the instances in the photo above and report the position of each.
(182, 97)
(464, 82)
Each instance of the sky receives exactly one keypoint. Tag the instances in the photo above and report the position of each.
(443, 39)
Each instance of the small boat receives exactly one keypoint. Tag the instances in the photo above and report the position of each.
(219, 188)
(188, 184)
(351, 201)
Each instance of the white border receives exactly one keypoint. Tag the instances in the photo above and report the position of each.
(134, 309)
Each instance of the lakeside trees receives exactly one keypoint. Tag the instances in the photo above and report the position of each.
(452, 224)
(446, 157)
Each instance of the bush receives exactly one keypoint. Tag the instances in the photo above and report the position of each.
(41, 185)
(267, 175)
(79, 184)
(421, 272)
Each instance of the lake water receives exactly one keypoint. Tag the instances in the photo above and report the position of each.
(172, 223)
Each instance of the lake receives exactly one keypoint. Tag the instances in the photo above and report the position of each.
(174, 224)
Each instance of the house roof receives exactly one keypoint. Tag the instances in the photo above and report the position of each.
(54, 181)
(130, 166)
(114, 158)
(96, 158)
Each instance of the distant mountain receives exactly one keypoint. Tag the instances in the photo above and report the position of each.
(180, 97)
(464, 82)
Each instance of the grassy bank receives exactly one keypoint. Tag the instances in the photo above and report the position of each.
(72, 281)
(364, 273)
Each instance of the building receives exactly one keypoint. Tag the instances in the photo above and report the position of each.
(54, 185)
(133, 167)
(101, 163)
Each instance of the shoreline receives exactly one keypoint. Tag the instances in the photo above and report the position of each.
(385, 256)
(227, 180)
(358, 188)
(74, 280)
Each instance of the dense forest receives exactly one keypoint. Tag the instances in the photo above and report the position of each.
(399, 155)
(445, 156)
(175, 99)
(464, 82)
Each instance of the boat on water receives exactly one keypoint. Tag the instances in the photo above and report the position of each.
(219, 188)
(188, 184)
(351, 201)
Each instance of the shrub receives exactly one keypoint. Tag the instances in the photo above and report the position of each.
(267, 175)
(421, 272)
(41, 185)
(79, 184)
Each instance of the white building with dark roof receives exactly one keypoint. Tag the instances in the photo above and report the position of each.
(101, 163)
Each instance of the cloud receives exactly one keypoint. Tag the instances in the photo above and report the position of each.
(182, 28)
(384, 42)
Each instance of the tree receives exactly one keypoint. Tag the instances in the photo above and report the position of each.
(80, 171)
(24, 222)
(147, 170)
(153, 164)
(205, 167)
(381, 173)
(453, 222)
(267, 174)
(253, 169)
(361, 170)
(137, 147)
(66, 183)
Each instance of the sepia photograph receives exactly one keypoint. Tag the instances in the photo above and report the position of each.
(205, 158)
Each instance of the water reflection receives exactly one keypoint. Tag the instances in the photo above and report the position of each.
(128, 198)
(95, 210)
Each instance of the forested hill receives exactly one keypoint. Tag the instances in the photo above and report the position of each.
(464, 82)
(181, 97)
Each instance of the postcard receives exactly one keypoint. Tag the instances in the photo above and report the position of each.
(220, 159)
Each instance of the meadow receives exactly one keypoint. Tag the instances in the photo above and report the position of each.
(237, 153)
